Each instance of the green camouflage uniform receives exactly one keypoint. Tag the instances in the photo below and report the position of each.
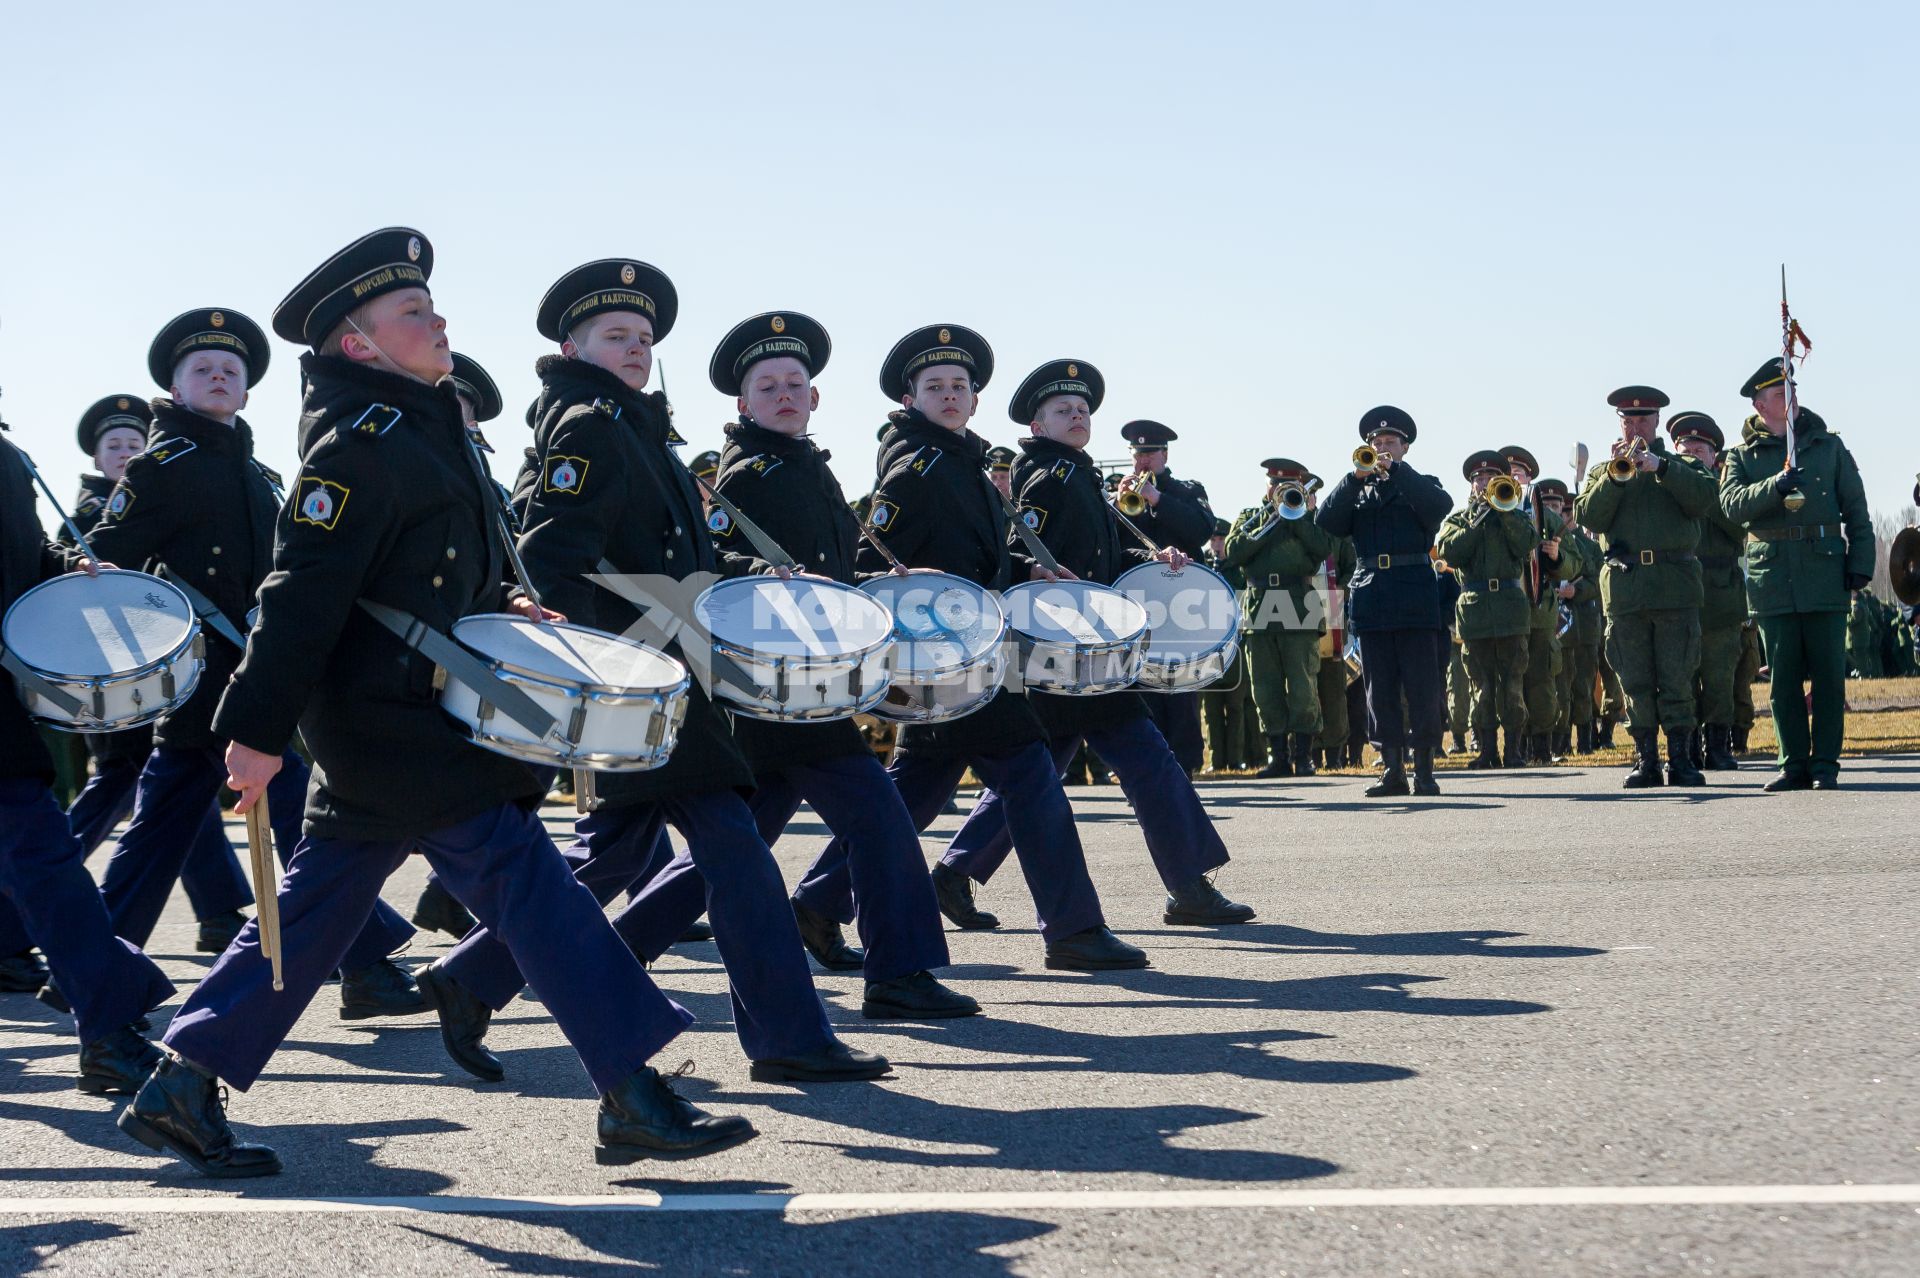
(1543, 643)
(1723, 614)
(1284, 615)
(1226, 707)
(1581, 645)
(1489, 549)
(1332, 678)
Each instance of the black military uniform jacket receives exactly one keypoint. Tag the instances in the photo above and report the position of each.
(783, 485)
(388, 506)
(936, 508)
(603, 482)
(1182, 518)
(1062, 499)
(197, 508)
(27, 558)
(1393, 519)
(89, 508)
(133, 744)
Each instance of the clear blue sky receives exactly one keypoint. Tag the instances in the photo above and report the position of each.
(1257, 220)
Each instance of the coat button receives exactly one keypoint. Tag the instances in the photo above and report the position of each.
(436, 582)
(677, 531)
(669, 554)
(210, 571)
(452, 553)
(216, 550)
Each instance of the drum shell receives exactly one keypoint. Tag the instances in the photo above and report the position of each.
(1169, 671)
(121, 699)
(1076, 669)
(943, 693)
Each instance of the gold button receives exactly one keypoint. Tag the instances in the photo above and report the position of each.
(436, 581)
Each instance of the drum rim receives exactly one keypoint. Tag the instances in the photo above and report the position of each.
(547, 679)
(758, 580)
(106, 680)
(942, 674)
(1090, 586)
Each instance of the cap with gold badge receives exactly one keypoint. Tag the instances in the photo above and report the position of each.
(1057, 377)
(115, 412)
(935, 344)
(771, 335)
(610, 284)
(380, 262)
(211, 329)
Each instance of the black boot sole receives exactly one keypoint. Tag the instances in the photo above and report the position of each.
(370, 1013)
(96, 1085)
(435, 923)
(1185, 919)
(1096, 965)
(875, 1011)
(155, 1139)
(622, 1155)
(777, 1072)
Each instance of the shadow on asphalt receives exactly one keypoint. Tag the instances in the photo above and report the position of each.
(41, 1245)
(1300, 940)
(1349, 992)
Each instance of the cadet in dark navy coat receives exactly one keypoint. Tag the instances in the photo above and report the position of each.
(1399, 617)
(936, 508)
(392, 507)
(1061, 498)
(1178, 514)
(108, 982)
(604, 485)
(198, 509)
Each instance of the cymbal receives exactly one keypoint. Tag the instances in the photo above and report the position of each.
(1903, 566)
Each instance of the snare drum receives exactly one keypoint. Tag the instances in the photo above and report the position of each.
(812, 650)
(1076, 638)
(618, 703)
(1193, 625)
(950, 652)
(125, 645)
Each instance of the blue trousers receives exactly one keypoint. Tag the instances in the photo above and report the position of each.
(1177, 715)
(503, 867)
(727, 871)
(214, 882)
(175, 790)
(1180, 837)
(1037, 817)
(109, 982)
(1410, 664)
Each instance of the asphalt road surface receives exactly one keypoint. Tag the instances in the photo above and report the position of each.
(1535, 1026)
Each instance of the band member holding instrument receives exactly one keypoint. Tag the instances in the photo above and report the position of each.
(392, 507)
(1547, 576)
(1645, 505)
(1226, 707)
(1580, 641)
(603, 486)
(200, 509)
(109, 983)
(1282, 552)
(1723, 610)
(1488, 544)
(1061, 499)
(1174, 512)
(1392, 511)
(1802, 565)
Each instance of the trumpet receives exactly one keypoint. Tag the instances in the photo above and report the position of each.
(1627, 464)
(1128, 502)
(1290, 500)
(1503, 493)
(1366, 457)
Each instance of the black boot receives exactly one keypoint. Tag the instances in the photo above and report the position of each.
(1201, 904)
(117, 1064)
(1720, 749)
(1540, 749)
(1487, 751)
(1279, 764)
(1094, 950)
(463, 1024)
(1516, 755)
(1393, 781)
(696, 932)
(1680, 767)
(1303, 754)
(1584, 734)
(22, 973)
(834, 1063)
(1697, 743)
(1646, 763)
(1604, 738)
(1789, 781)
(180, 1110)
(826, 942)
(645, 1118)
(438, 911)
(916, 997)
(217, 933)
(1459, 743)
(954, 891)
(1423, 782)
(381, 989)
(1740, 741)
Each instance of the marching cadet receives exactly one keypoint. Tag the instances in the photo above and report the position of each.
(1582, 643)
(1331, 680)
(1060, 498)
(605, 487)
(1543, 642)
(1392, 511)
(1178, 515)
(1489, 548)
(200, 509)
(1804, 558)
(1000, 469)
(1648, 521)
(1723, 610)
(1226, 706)
(392, 508)
(935, 508)
(109, 983)
(1281, 556)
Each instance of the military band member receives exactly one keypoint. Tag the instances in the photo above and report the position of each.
(1392, 511)
(1177, 515)
(1801, 567)
(1489, 548)
(1226, 707)
(1061, 499)
(1648, 525)
(1723, 612)
(391, 507)
(1555, 571)
(1581, 649)
(1000, 469)
(604, 486)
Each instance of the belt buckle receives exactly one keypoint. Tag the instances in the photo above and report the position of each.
(1384, 561)
(1493, 584)
(1797, 534)
(1273, 580)
(1646, 558)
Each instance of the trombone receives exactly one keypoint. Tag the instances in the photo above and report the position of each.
(1624, 467)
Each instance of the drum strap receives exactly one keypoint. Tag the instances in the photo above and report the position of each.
(464, 666)
(208, 611)
(1028, 537)
(767, 548)
(26, 678)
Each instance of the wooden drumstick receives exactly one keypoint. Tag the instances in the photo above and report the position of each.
(266, 885)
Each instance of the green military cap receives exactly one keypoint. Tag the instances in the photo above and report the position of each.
(1484, 460)
(1696, 426)
(1515, 453)
(115, 412)
(208, 330)
(1638, 401)
(1221, 527)
(1771, 373)
(1284, 468)
(1550, 488)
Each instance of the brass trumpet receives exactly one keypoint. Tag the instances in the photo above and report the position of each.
(1624, 467)
(1503, 493)
(1128, 502)
(1366, 457)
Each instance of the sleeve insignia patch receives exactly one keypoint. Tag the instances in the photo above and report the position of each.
(376, 421)
(924, 459)
(673, 436)
(565, 474)
(882, 514)
(764, 463)
(319, 502)
(608, 407)
(1034, 517)
(170, 450)
(120, 502)
(89, 504)
(720, 523)
(1063, 470)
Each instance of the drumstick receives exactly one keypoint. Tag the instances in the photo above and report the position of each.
(266, 885)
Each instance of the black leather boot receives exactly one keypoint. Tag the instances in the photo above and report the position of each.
(696, 932)
(217, 933)
(1201, 904)
(1646, 762)
(1459, 743)
(1540, 749)
(1740, 740)
(1789, 781)
(1680, 766)
(954, 891)
(1488, 751)
(1604, 737)
(463, 1024)
(916, 997)
(1516, 755)
(1584, 735)
(1423, 781)
(438, 911)
(117, 1064)
(645, 1118)
(1697, 745)
(1279, 763)
(1720, 749)
(1303, 754)
(381, 989)
(183, 1112)
(826, 942)
(22, 973)
(1563, 742)
(1393, 780)
(834, 1063)
(1096, 949)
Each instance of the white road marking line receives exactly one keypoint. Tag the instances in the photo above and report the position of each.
(988, 1200)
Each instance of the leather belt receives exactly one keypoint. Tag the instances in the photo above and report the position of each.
(1399, 561)
(1500, 583)
(1647, 558)
(1275, 579)
(1719, 561)
(1799, 532)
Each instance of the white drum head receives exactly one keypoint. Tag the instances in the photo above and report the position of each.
(775, 618)
(940, 621)
(569, 654)
(1074, 613)
(78, 626)
(1190, 613)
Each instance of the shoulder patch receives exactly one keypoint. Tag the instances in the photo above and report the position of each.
(673, 436)
(88, 503)
(120, 502)
(720, 523)
(924, 459)
(883, 514)
(565, 474)
(169, 450)
(1035, 517)
(764, 464)
(1063, 470)
(375, 421)
(319, 502)
(606, 408)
